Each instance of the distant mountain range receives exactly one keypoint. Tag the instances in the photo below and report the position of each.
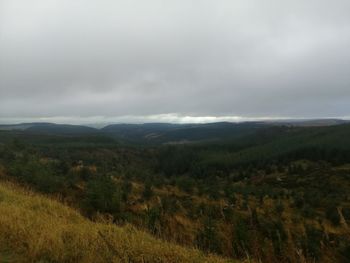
(312, 122)
(159, 133)
(50, 128)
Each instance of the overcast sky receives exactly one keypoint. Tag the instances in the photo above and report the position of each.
(180, 60)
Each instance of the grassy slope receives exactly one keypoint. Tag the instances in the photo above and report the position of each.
(34, 228)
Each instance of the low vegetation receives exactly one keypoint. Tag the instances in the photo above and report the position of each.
(34, 228)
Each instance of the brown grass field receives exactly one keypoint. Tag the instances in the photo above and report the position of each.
(34, 228)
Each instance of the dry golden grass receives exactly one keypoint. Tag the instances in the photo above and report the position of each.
(34, 228)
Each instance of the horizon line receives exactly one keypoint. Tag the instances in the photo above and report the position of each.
(161, 118)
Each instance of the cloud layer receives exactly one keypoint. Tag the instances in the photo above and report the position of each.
(137, 59)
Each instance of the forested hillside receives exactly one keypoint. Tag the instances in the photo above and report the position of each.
(274, 194)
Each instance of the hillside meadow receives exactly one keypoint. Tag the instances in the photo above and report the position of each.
(34, 228)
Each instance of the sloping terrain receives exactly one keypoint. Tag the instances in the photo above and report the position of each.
(34, 228)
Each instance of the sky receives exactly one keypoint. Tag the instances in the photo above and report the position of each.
(88, 61)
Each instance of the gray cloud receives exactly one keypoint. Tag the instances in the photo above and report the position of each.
(132, 60)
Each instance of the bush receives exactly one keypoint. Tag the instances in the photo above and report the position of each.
(102, 195)
(207, 238)
(147, 192)
(333, 215)
(314, 237)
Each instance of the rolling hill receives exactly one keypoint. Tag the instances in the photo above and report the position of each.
(179, 133)
(49, 128)
(166, 133)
